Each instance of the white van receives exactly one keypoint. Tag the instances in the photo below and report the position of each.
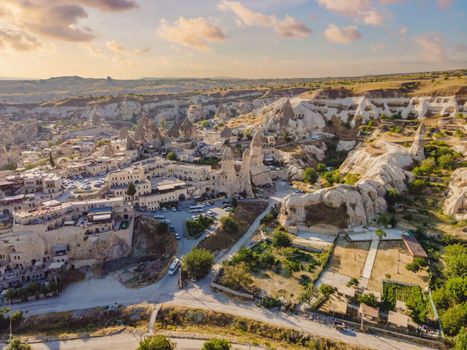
(174, 266)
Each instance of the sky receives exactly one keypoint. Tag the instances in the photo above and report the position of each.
(130, 39)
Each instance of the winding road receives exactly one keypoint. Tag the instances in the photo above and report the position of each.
(106, 291)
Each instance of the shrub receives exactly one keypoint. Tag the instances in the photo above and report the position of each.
(454, 318)
(281, 239)
(270, 302)
(172, 156)
(351, 179)
(229, 224)
(198, 262)
(461, 340)
(198, 225)
(368, 299)
(237, 276)
(310, 175)
(216, 344)
(326, 289)
(353, 282)
(16, 344)
(321, 167)
(157, 342)
(416, 264)
(456, 260)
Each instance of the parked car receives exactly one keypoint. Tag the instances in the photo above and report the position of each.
(164, 209)
(178, 236)
(174, 209)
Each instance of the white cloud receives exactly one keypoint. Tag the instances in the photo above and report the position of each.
(363, 10)
(341, 35)
(191, 32)
(432, 47)
(288, 27)
(17, 40)
(444, 4)
(24, 22)
(119, 49)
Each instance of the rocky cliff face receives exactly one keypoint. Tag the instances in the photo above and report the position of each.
(147, 132)
(301, 117)
(380, 165)
(456, 202)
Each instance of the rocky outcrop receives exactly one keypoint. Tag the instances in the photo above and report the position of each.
(260, 175)
(456, 202)
(182, 130)
(381, 166)
(147, 132)
(229, 181)
(222, 113)
(302, 117)
(196, 112)
(123, 133)
(381, 161)
(418, 146)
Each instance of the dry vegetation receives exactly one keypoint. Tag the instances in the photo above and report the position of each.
(243, 329)
(96, 321)
(349, 258)
(153, 247)
(391, 258)
(244, 215)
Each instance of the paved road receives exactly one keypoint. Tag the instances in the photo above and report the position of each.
(93, 293)
(124, 341)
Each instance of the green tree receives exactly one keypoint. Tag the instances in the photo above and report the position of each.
(461, 340)
(446, 161)
(216, 344)
(310, 175)
(321, 167)
(131, 190)
(172, 156)
(455, 257)
(281, 239)
(157, 342)
(16, 344)
(368, 299)
(198, 263)
(454, 318)
(380, 234)
(51, 160)
(456, 289)
(326, 289)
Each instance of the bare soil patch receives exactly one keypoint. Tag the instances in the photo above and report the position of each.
(153, 249)
(349, 258)
(391, 258)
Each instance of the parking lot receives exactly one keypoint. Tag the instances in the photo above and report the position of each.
(179, 217)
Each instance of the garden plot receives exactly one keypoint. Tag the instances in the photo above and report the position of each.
(273, 270)
(391, 259)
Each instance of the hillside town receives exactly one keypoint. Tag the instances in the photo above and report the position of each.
(319, 204)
